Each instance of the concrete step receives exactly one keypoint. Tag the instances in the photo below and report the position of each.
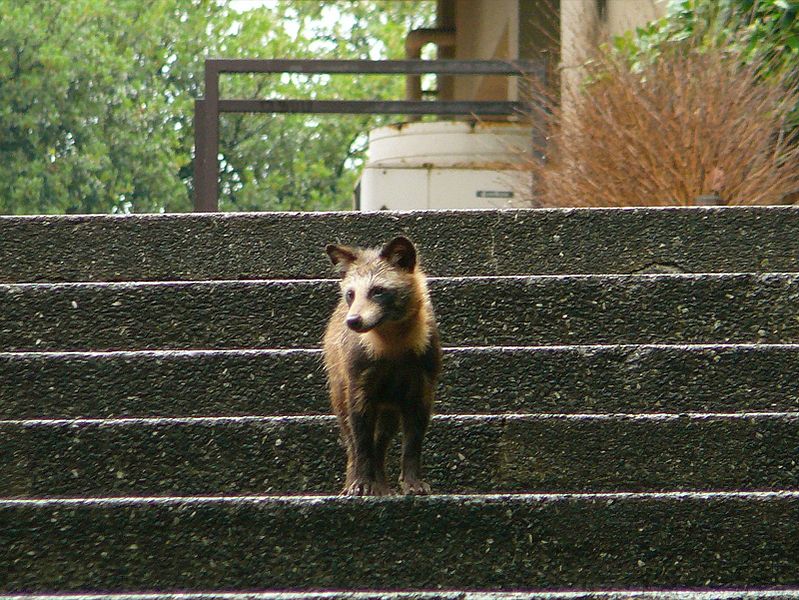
(567, 379)
(519, 311)
(562, 542)
(699, 594)
(463, 454)
(501, 242)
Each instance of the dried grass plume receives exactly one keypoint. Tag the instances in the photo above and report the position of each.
(690, 128)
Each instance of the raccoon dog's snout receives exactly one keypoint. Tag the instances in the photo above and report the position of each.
(355, 323)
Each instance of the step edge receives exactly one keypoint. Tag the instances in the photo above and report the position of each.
(763, 275)
(245, 215)
(449, 594)
(463, 418)
(315, 351)
(305, 500)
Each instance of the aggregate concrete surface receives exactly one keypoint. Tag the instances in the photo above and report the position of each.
(561, 542)
(771, 594)
(501, 454)
(502, 242)
(471, 312)
(634, 368)
(491, 380)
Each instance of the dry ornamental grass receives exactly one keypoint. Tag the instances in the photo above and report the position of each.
(691, 128)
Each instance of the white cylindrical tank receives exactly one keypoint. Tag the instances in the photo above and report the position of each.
(447, 164)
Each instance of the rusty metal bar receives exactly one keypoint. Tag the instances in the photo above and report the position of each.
(382, 107)
(207, 110)
(385, 67)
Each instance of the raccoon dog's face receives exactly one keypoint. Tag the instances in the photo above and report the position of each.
(377, 284)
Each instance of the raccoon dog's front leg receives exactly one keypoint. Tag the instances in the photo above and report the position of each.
(415, 419)
(365, 479)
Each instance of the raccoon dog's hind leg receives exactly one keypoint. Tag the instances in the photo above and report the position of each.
(386, 428)
(365, 479)
(338, 402)
(415, 419)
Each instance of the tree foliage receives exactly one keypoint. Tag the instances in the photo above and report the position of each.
(96, 101)
(311, 161)
(762, 31)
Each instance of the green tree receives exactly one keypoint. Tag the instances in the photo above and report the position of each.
(96, 101)
(766, 31)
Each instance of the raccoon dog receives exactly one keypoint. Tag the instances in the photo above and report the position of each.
(382, 357)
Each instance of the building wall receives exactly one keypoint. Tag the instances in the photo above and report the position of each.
(486, 29)
(539, 35)
(561, 31)
(586, 23)
(627, 14)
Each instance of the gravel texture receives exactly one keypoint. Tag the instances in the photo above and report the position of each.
(518, 311)
(499, 454)
(560, 542)
(503, 242)
(570, 379)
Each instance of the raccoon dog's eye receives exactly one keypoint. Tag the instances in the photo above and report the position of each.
(349, 296)
(377, 292)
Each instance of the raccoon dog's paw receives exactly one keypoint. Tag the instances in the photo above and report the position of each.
(414, 487)
(367, 488)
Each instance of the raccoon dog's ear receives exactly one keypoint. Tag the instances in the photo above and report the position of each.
(341, 256)
(400, 253)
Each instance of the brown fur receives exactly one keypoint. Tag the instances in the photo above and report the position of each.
(382, 366)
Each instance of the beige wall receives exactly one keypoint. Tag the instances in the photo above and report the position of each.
(583, 27)
(626, 14)
(486, 29)
(579, 32)
(507, 29)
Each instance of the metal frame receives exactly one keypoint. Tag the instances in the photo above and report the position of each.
(208, 109)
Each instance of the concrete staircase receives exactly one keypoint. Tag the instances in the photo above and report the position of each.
(618, 416)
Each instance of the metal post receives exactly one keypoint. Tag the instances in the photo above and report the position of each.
(206, 168)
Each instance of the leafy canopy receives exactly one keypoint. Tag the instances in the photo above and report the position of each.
(96, 101)
(762, 30)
